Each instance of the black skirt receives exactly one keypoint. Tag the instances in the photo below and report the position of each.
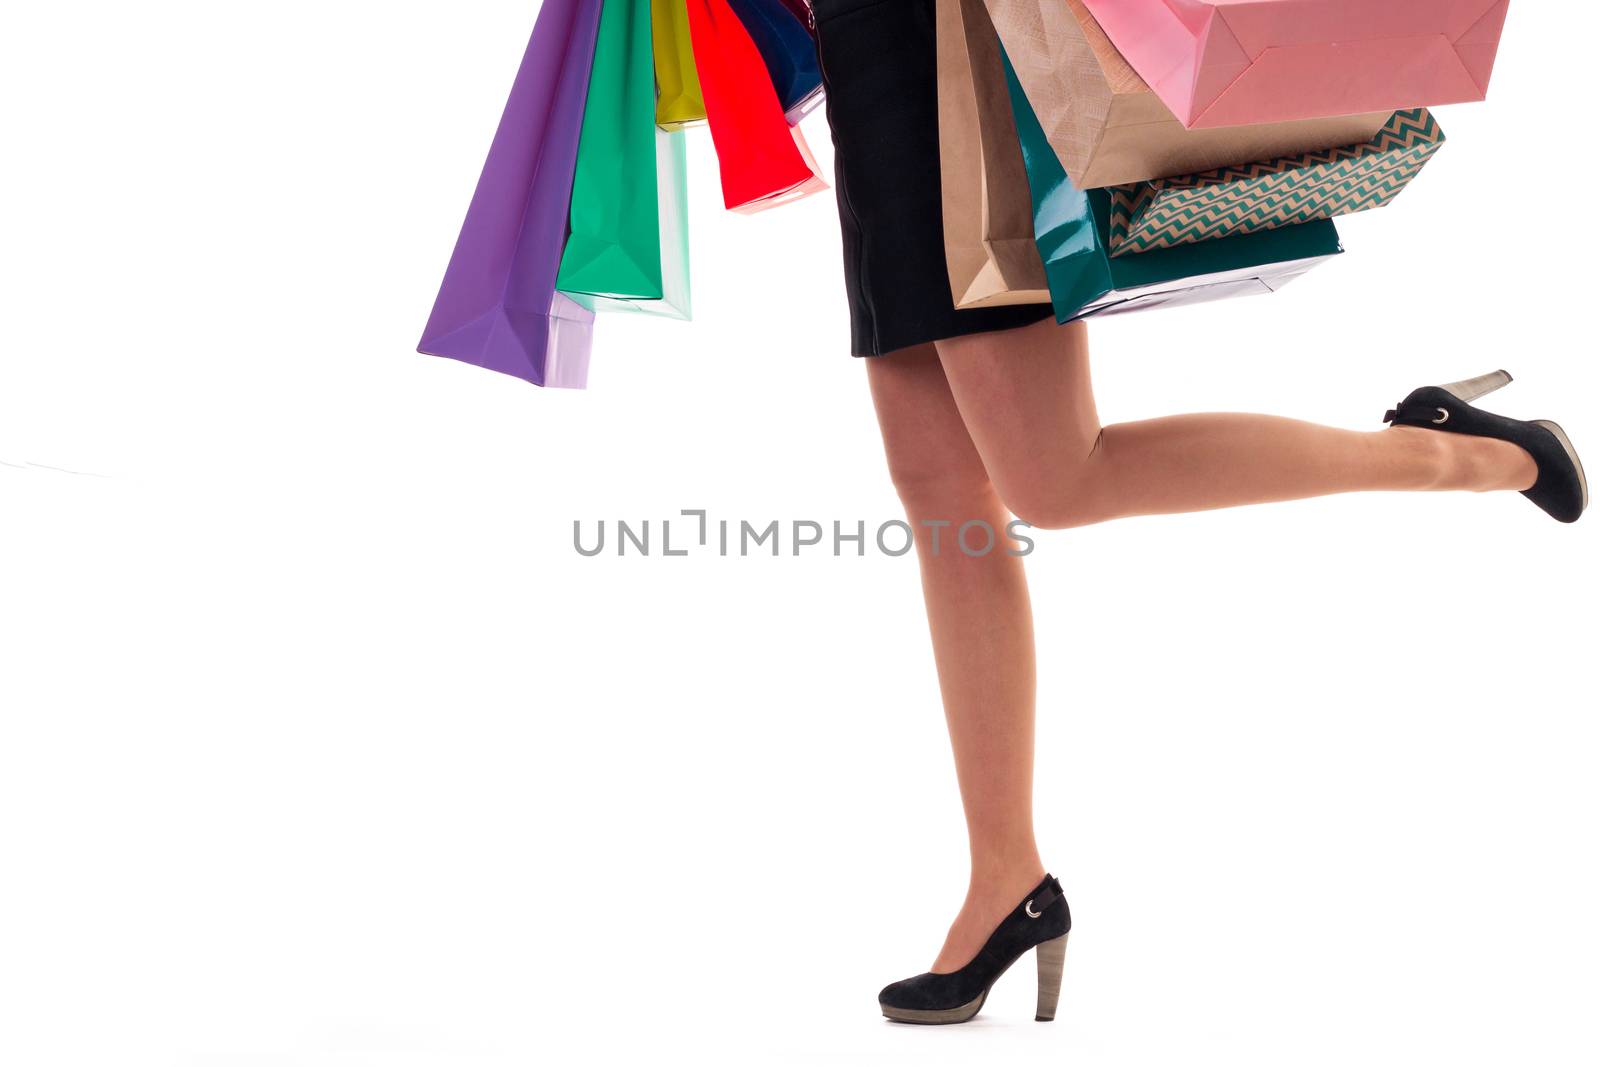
(880, 74)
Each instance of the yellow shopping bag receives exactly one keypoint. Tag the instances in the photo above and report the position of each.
(678, 99)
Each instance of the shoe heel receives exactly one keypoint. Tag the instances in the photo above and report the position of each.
(1472, 388)
(1050, 956)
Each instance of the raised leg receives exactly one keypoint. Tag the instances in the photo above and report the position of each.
(1027, 401)
(982, 629)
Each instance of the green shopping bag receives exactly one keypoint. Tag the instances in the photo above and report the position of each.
(1073, 230)
(628, 203)
(672, 208)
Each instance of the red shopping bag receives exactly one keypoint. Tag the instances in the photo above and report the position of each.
(764, 161)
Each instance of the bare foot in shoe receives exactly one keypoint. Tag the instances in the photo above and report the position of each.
(986, 905)
(1462, 461)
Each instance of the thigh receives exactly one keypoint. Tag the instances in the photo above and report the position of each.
(932, 458)
(1027, 402)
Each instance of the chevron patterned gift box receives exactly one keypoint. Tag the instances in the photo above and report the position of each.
(1282, 192)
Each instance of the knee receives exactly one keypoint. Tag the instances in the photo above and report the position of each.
(1060, 502)
(1051, 511)
(933, 491)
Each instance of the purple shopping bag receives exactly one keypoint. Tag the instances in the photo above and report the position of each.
(498, 307)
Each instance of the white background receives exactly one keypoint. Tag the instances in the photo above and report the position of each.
(321, 746)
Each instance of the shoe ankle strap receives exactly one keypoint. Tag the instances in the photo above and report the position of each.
(1047, 894)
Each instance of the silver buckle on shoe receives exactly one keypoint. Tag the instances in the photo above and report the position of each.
(1027, 909)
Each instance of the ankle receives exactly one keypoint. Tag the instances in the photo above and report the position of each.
(1004, 883)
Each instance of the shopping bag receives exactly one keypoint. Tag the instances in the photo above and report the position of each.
(802, 11)
(1106, 124)
(614, 242)
(789, 52)
(677, 83)
(497, 306)
(763, 160)
(671, 191)
(1230, 62)
(989, 249)
(1072, 228)
(1276, 193)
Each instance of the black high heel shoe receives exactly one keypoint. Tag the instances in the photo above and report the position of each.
(1561, 490)
(1041, 922)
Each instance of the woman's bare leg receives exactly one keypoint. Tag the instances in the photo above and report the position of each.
(982, 630)
(1027, 402)
(992, 420)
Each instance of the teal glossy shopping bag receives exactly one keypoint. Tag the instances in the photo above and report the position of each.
(672, 212)
(628, 190)
(1072, 228)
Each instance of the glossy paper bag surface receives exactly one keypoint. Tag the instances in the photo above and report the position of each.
(1274, 193)
(801, 9)
(498, 307)
(1072, 228)
(678, 103)
(614, 247)
(990, 253)
(1106, 124)
(1234, 62)
(763, 160)
(673, 211)
(788, 50)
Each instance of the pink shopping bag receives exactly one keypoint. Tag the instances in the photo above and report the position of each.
(1235, 62)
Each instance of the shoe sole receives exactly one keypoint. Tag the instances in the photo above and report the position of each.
(1049, 955)
(1572, 454)
(936, 1016)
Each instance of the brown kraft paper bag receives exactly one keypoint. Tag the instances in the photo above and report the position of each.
(988, 213)
(1107, 125)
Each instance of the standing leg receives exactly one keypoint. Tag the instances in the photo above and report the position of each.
(982, 628)
(1026, 399)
